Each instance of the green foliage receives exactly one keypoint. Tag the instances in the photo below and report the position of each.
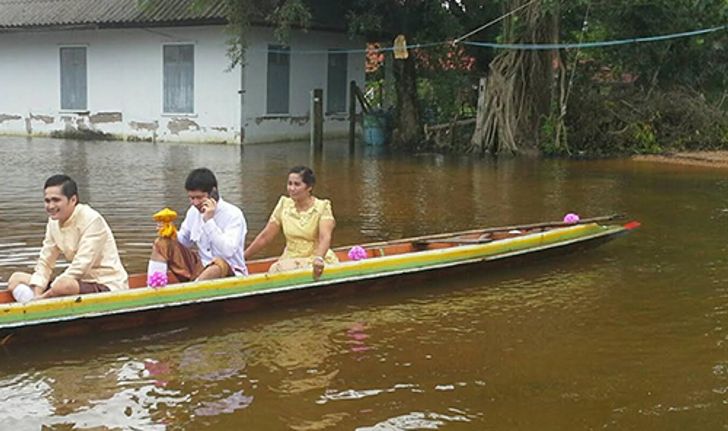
(447, 89)
(364, 22)
(644, 138)
(549, 146)
(281, 15)
(695, 62)
(238, 24)
(443, 98)
(288, 14)
(622, 120)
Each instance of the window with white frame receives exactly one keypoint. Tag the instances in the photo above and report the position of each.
(73, 79)
(279, 80)
(336, 88)
(179, 79)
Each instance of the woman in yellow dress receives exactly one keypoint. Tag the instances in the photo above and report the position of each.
(307, 223)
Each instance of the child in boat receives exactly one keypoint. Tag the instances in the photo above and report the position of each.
(215, 227)
(307, 223)
(82, 236)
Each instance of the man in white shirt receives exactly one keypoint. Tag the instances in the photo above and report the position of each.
(213, 226)
(81, 235)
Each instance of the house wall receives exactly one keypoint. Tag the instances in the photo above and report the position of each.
(125, 85)
(308, 71)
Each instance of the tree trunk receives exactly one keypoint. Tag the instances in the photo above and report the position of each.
(518, 90)
(407, 134)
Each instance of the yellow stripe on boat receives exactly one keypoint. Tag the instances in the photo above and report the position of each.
(109, 303)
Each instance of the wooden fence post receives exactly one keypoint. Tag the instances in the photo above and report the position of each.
(352, 114)
(241, 92)
(317, 122)
(478, 138)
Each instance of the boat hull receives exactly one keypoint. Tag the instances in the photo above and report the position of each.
(66, 317)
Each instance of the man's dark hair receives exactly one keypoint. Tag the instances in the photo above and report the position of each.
(201, 179)
(68, 186)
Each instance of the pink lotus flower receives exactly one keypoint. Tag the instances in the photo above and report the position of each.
(571, 218)
(158, 279)
(357, 253)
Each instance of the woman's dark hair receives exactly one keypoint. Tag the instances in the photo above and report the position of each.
(201, 179)
(68, 186)
(306, 174)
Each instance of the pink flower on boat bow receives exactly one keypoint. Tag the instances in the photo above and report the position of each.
(357, 253)
(158, 279)
(571, 218)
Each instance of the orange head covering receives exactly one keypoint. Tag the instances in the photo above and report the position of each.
(166, 217)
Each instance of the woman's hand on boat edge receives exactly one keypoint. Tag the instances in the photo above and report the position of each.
(318, 267)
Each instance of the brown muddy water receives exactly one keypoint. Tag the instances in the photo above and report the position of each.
(631, 335)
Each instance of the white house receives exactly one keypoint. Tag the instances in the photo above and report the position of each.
(111, 68)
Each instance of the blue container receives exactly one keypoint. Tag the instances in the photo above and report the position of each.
(375, 128)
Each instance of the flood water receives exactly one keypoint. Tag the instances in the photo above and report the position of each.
(631, 335)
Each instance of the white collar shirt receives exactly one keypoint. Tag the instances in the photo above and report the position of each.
(222, 236)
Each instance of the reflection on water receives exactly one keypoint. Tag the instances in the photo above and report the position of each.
(631, 335)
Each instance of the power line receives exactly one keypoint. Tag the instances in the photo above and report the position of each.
(599, 44)
(488, 24)
(516, 46)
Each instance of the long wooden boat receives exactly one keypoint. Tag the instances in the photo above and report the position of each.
(388, 264)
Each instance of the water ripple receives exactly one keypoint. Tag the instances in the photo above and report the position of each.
(416, 421)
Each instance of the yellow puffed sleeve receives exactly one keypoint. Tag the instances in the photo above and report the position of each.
(326, 212)
(276, 216)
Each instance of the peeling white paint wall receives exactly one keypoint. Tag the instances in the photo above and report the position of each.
(125, 86)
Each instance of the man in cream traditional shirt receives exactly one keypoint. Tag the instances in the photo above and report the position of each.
(213, 226)
(81, 235)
